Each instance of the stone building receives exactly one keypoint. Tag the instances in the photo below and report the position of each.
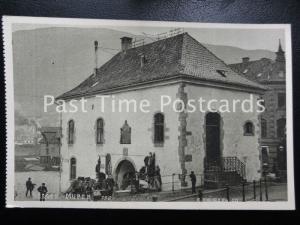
(50, 146)
(270, 73)
(204, 142)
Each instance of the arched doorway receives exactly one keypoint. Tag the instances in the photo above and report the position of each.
(124, 173)
(213, 150)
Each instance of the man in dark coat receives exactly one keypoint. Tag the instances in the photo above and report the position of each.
(147, 160)
(193, 180)
(110, 184)
(29, 187)
(43, 191)
(98, 169)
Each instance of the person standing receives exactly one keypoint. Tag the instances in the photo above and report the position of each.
(43, 191)
(193, 180)
(98, 169)
(29, 187)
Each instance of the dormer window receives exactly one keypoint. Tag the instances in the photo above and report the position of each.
(93, 85)
(222, 73)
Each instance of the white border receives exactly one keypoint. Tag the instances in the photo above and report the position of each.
(10, 202)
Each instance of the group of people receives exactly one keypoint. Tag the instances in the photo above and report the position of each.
(103, 181)
(41, 189)
(151, 172)
(149, 161)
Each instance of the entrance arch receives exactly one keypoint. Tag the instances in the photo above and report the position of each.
(213, 149)
(125, 170)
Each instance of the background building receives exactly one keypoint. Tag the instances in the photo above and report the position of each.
(270, 73)
(50, 146)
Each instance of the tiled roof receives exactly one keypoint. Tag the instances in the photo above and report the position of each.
(50, 135)
(50, 129)
(262, 71)
(180, 55)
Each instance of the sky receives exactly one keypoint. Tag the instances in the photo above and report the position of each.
(250, 39)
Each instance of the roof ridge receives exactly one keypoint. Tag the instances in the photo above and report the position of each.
(156, 41)
(253, 61)
(208, 50)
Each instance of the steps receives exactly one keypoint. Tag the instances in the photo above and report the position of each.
(230, 171)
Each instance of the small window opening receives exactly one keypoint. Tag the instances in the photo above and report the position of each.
(222, 72)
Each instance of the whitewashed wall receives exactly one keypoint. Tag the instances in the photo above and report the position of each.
(86, 150)
(233, 142)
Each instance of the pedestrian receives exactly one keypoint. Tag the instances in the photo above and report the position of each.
(157, 172)
(29, 187)
(98, 169)
(43, 191)
(193, 180)
(147, 160)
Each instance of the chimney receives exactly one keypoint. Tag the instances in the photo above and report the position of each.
(126, 43)
(245, 59)
(96, 56)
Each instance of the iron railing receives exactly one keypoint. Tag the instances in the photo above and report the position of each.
(233, 164)
(226, 164)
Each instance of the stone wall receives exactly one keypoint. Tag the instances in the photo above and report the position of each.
(233, 141)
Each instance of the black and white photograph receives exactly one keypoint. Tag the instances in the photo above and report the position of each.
(148, 115)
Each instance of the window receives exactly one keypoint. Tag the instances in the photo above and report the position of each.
(222, 73)
(281, 74)
(72, 168)
(265, 155)
(281, 127)
(263, 128)
(263, 102)
(248, 129)
(159, 128)
(71, 132)
(281, 100)
(125, 134)
(108, 166)
(99, 131)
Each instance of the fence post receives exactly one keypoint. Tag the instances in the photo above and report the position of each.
(173, 175)
(138, 182)
(154, 198)
(131, 185)
(227, 192)
(243, 190)
(266, 189)
(254, 189)
(200, 195)
(260, 191)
